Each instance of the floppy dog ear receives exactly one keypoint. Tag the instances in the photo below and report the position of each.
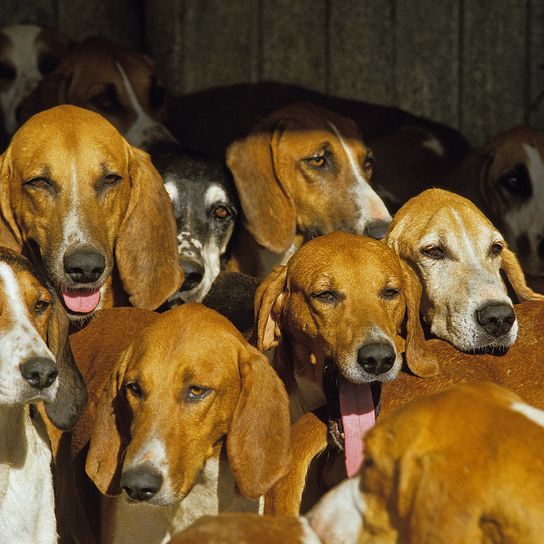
(268, 303)
(268, 209)
(10, 235)
(146, 252)
(258, 442)
(65, 410)
(419, 356)
(110, 433)
(516, 277)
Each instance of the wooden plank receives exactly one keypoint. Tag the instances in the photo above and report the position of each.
(294, 42)
(40, 12)
(361, 50)
(220, 43)
(427, 58)
(163, 40)
(117, 20)
(493, 84)
(535, 107)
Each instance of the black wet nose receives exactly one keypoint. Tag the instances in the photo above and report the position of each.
(376, 229)
(39, 372)
(84, 265)
(376, 358)
(496, 319)
(141, 483)
(194, 272)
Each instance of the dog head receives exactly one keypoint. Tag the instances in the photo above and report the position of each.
(186, 385)
(121, 85)
(27, 54)
(77, 197)
(458, 256)
(37, 362)
(205, 208)
(305, 170)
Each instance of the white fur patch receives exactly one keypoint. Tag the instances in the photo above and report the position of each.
(530, 412)
(434, 145)
(214, 194)
(172, 191)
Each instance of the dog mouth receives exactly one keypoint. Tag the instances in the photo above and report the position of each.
(352, 410)
(82, 302)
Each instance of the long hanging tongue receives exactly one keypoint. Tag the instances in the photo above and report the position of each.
(357, 410)
(81, 302)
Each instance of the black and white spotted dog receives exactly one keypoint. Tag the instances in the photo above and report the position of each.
(205, 208)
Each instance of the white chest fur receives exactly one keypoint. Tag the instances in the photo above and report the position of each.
(27, 507)
(214, 492)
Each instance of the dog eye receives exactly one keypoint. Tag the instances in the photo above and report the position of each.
(106, 101)
(516, 182)
(134, 389)
(41, 306)
(317, 161)
(39, 183)
(157, 95)
(7, 72)
(108, 181)
(434, 252)
(197, 392)
(326, 296)
(47, 64)
(221, 212)
(389, 293)
(368, 163)
(496, 248)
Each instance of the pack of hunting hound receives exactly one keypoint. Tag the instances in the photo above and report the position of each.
(260, 314)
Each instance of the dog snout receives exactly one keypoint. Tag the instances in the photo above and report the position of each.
(377, 229)
(496, 318)
(39, 372)
(141, 483)
(84, 265)
(377, 358)
(194, 272)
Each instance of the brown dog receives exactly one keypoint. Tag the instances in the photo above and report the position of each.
(184, 415)
(302, 172)
(121, 85)
(458, 256)
(78, 198)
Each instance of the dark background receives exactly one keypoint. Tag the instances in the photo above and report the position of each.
(473, 64)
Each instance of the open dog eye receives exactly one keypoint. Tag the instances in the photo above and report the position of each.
(41, 306)
(389, 293)
(7, 72)
(434, 252)
(157, 94)
(109, 180)
(221, 212)
(39, 183)
(368, 162)
(516, 182)
(197, 392)
(496, 248)
(107, 100)
(47, 64)
(326, 296)
(317, 161)
(134, 389)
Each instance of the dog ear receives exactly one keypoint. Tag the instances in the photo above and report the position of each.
(110, 433)
(269, 300)
(258, 442)
(268, 209)
(146, 252)
(10, 235)
(514, 273)
(419, 355)
(65, 410)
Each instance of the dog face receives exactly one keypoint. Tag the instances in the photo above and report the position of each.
(121, 85)
(458, 255)
(27, 54)
(205, 209)
(174, 405)
(72, 192)
(315, 304)
(305, 170)
(37, 362)
(512, 188)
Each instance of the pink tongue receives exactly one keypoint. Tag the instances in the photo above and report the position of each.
(81, 302)
(357, 409)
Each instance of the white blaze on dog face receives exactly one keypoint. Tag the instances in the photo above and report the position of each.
(456, 252)
(19, 341)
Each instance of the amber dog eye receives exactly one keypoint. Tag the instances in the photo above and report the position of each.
(41, 306)
(317, 161)
(389, 293)
(197, 392)
(134, 389)
(107, 181)
(221, 212)
(39, 183)
(326, 296)
(434, 252)
(496, 248)
(369, 162)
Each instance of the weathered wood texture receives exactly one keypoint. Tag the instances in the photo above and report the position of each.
(477, 66)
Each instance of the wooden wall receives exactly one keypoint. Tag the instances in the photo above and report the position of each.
(477, 65)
